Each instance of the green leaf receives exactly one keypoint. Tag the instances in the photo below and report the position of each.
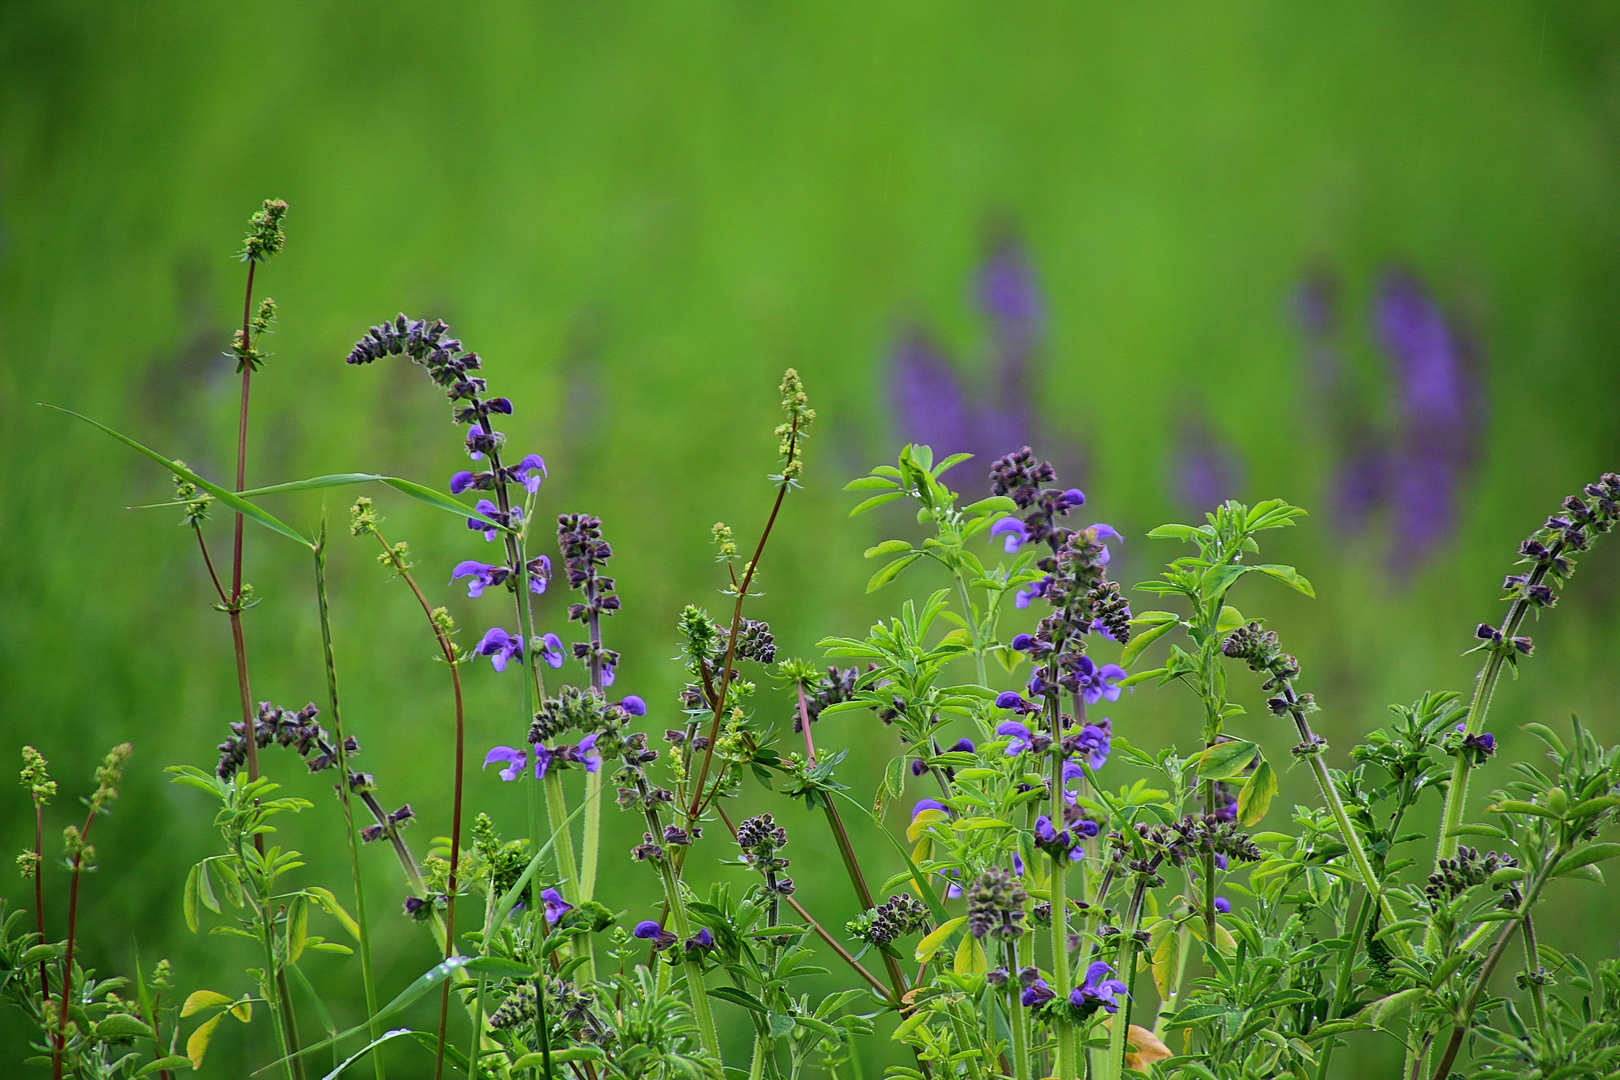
(739, 997)
(205, 888)
(1143, 638)
(928, 946)
(560, 1055)
(1286, 574)
(888, 547)
(1387, 1010)
(1255, 798)
(1174, 532)
(970, 957)
(173, 1061)
(875, 501)
(364, 1050)
(297, 926)
(416, 491)
(325, 898)
(188, 898)
(1546, 735)
(870, 483)
(1586, 856)
(891, 571)
(203, 999)
(995, 504)
(123, 1026)
(1225, 760)
(1230, 619)
(485, 965)
(234, 501)
(197, 1044)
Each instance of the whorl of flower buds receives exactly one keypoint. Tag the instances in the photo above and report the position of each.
(1111, 613)
(573, 709)
(518, 1008)
(760, 838)
(274, 724)
(584, 554)
(1019, 477)
(1197, 835)
(1452, 877)
(995, 903)
(430, 345)
(891, 920)
(793, 431)
(754, 641)
(1260, 650)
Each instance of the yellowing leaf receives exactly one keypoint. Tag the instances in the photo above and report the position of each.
(928, 946)
(970, 957)
(1255, 798)
(243, 1010)
(197, 1045)
(919, 824)
(1164, 963)
(1147, 1047)
(203, 999)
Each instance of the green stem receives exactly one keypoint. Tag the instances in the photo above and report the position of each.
(361, 918)
(1066, 1064)
(1017, 1016)
(1125, 970)
(693, 968)
(1347, 970)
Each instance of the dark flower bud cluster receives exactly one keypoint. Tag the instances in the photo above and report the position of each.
(1020, 477)
(447, 364)
(518, 1008)
(760, 838)
(891, 920)
(573, 709)
(585, 553)
(754, 641)
(996, 905)
(1197, 835)
(1452, 877)
(647, 850)
(1260, 650)
(294, 730)
(835, 686)
(1546, 551)
(1475, 747)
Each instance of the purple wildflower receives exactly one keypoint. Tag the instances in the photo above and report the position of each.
(515, 760)
(589, 755)
(556, 906)
(647, 930)
(500, 647)
(1020, 736)
(489, 510)
(1036, 994)
(1223, 905)
(1097, 991)
(551, 651)
(634, 706)
(1015, 531)
(483, 575)
(530, 471)
(460, 482)
(928, 804)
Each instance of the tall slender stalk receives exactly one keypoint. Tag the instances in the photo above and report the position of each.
(362, 919)
(1067, 1066)
(67, 960)
(39, 893)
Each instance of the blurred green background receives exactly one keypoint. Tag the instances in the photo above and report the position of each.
(639, 214)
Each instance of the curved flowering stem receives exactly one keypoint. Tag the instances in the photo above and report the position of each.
(1547, 552)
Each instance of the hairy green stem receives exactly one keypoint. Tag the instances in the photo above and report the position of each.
(1017, 1016)
(1347, 970)
(693, 968)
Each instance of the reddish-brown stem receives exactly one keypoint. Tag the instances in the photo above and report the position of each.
(39, 894)
(804, 722)
(67, 960)
(234, 604)
(209, 562)
(698, 803)
(448, 648)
